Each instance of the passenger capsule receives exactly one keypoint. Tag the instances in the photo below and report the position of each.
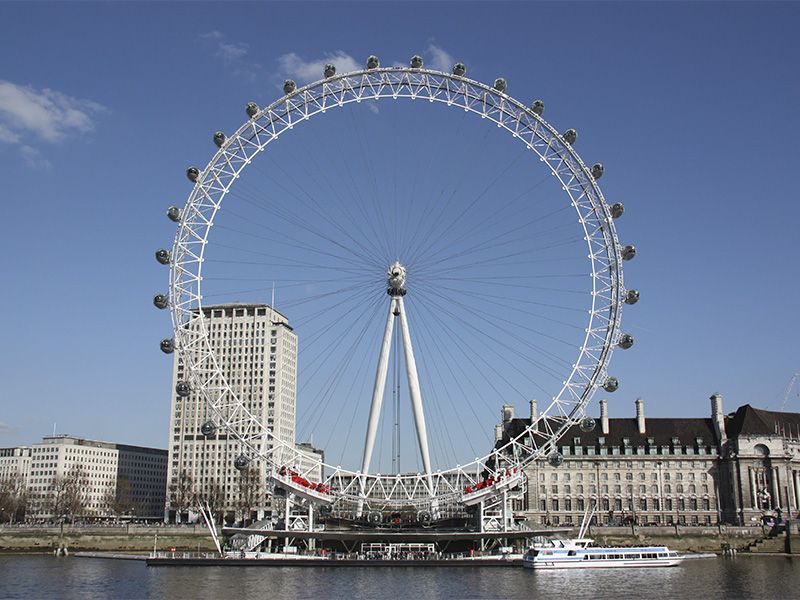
(162, 256)
(174, 214)
(373, 62)
(459, 69)
(570, 135)
(416, 62)
(555, 458)
(626, 340)
(208, 428)
(289, 86)
(424, 516)
(587, 424)
(617, 209)
(628, 252)
(161, 301)
(241, 462)
(252, 109)
(375, 517)
(183, 389)
(193, 173)
(167, 345)
(597, 170)
(631, 296)
(611, 384)
(538, 107)
(500, 85)
(219, 138)
(329, 70)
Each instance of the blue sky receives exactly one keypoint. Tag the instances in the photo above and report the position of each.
(691, 107)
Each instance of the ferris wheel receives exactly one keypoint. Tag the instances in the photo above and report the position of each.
(470, 262)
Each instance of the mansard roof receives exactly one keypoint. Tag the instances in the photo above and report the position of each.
(660, 430)
(756, 421)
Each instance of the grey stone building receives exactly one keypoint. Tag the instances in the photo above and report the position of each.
(661, 471)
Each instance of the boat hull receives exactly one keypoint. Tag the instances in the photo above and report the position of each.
(604, 564)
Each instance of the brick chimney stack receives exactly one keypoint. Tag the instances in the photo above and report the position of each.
(719, 419)
(604, 416)
(640, 415)
(534, 413)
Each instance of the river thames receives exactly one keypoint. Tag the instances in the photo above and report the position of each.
(31, 577)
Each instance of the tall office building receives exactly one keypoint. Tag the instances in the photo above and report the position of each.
(257, 352)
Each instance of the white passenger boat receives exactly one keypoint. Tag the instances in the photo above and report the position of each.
(579, 553)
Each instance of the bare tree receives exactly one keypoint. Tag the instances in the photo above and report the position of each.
(13, 497)
(181, 493)
(250, 492)
(212, 495)
(69, 493)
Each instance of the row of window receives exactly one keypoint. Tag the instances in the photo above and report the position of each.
(617, 489)
(619, 504)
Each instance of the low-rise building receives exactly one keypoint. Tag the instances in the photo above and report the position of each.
(89, 478)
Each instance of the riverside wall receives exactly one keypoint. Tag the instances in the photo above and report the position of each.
(119, 538)
(133, 539)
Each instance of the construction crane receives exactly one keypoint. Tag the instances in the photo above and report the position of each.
(788, 391)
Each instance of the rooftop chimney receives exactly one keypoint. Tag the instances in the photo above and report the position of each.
(534, 414)
(640, 415)
(498, 432)
(719, 419)
(604, 416)
(507, 413)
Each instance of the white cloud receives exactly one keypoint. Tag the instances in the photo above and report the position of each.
(48, 114)
(440, 59)
(231, 52)
(303, 71)
(33, 158)
(8, 136)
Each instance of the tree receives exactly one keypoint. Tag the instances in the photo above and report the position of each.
(69, 493)
(118, 499)
(13, 497)
(181, 493)
(212, 495)
(249, 492)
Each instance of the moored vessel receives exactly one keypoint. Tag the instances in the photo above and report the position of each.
(580, 554)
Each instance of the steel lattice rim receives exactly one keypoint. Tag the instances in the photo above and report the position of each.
(216, 179)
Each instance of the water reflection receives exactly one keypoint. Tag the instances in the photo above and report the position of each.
(67, 578)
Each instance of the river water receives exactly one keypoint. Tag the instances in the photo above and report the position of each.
(31, 577)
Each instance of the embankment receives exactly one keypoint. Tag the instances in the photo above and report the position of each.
(105, 539)
(134, 539)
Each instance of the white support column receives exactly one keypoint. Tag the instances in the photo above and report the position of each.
(776, 489)
(414, 392)
(796, 489)
(378, 389)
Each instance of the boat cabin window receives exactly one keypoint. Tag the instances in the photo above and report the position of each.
(571, 553)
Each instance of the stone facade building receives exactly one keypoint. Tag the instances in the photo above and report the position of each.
(257, 351)
(661, 471)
